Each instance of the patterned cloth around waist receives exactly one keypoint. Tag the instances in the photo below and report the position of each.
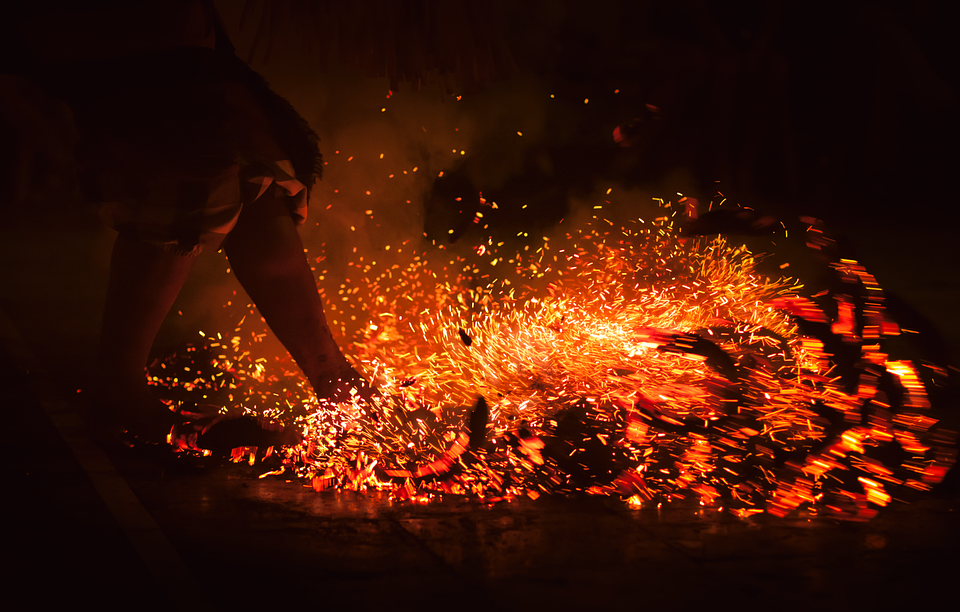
(187, 216)
(175, 151)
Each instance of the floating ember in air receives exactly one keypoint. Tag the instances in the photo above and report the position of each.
(625, 362)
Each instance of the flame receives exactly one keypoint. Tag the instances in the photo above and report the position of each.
(629, 362)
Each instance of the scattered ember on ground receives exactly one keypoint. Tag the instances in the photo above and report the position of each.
(634, 362)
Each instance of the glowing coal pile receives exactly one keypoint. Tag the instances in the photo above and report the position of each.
(636, 362)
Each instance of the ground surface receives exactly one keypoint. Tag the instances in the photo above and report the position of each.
(122, 531)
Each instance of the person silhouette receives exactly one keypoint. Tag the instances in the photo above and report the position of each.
(187, 150)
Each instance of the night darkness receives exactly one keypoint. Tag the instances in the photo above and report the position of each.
(843, 113)
(847, 112)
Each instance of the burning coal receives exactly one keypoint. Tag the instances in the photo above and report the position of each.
(638, 362)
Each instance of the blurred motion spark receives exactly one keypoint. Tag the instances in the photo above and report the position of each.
(636, 362)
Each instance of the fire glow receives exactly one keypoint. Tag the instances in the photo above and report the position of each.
(633, 362)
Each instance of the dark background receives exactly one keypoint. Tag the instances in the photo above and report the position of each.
(843, 111)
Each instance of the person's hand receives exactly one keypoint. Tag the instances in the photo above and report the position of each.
(343, 386)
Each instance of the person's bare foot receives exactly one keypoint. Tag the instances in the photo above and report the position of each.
(223, 433)
(136, 417)
(131, 415)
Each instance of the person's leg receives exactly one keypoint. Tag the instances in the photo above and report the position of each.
(266, 254)
(144, 281)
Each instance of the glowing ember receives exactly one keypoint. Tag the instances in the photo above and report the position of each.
(624, 362)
